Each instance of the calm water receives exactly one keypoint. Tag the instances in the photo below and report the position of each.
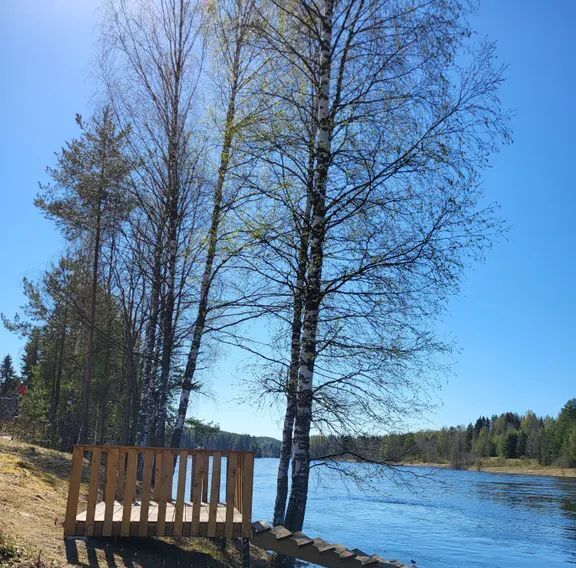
(450, 518)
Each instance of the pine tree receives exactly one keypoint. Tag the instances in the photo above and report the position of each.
(87, 201)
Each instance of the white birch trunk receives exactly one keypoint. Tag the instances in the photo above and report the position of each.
(188, 382)
(301, 451)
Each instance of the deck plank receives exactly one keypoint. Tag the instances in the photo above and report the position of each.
(118, 514)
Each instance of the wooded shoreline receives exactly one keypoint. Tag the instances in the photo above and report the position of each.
(513, 467)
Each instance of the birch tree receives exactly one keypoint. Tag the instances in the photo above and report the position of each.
(237, 63)
(403, 129)
(152, 60)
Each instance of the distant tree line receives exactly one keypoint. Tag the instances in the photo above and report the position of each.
(201, 435)
(550, 441)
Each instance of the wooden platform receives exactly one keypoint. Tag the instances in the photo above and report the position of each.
(151, 527)
(107, 497)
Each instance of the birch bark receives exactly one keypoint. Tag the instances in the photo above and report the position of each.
(301, 451)
(295, 344)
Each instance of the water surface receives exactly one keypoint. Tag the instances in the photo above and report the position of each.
(440, 519)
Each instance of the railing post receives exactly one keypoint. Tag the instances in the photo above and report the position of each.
(230, 494)
(111, 482)
(157, 475)
(73, 491)
(147, 466)
(129, 490)
(200, 465)
(121, 475)
(247, 489)
(181, 488)
(92, 491)
(164, 491)
(205, 479)
(214, 493)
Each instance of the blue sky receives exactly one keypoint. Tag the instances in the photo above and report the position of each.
(514, 320)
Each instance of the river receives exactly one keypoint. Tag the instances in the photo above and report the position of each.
(439, 518)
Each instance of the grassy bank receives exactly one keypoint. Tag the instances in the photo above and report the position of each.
(33, 491)
(509, 466)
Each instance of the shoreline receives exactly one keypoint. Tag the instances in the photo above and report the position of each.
(510, 469)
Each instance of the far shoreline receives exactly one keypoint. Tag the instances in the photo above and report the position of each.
(513, 468)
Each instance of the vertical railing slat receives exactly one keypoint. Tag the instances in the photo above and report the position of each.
(121, 475)
(247, 489)
(129, 491)
(92, 491)
(73, 491)
(157, 475)
(197, 492)
(179, 511)
(205, 480)
(164, 492)
(238, 484)
(230, 494)
(192, 473)
(112, 460)
(147, 466)
(214, 494)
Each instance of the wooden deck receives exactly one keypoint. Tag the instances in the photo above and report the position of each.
(116, 500)
(138, 528)
(127, 491)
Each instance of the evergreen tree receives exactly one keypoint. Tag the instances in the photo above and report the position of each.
(8, 380)
(86, 199)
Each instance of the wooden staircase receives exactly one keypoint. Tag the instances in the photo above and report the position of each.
(315, 550)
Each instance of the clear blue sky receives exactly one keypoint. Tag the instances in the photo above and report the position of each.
(515, 319)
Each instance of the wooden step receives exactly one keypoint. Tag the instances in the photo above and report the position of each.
(259, 527)
(301, 539)
(339, 548)
(359, 552)
(280, 532)
(323, 546)
(367, 560)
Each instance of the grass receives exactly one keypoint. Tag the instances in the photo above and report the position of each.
(33, 492)
(522, 466)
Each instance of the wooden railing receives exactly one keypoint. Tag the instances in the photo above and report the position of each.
(125, 483)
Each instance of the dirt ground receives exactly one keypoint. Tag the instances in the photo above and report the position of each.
(33, 491)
